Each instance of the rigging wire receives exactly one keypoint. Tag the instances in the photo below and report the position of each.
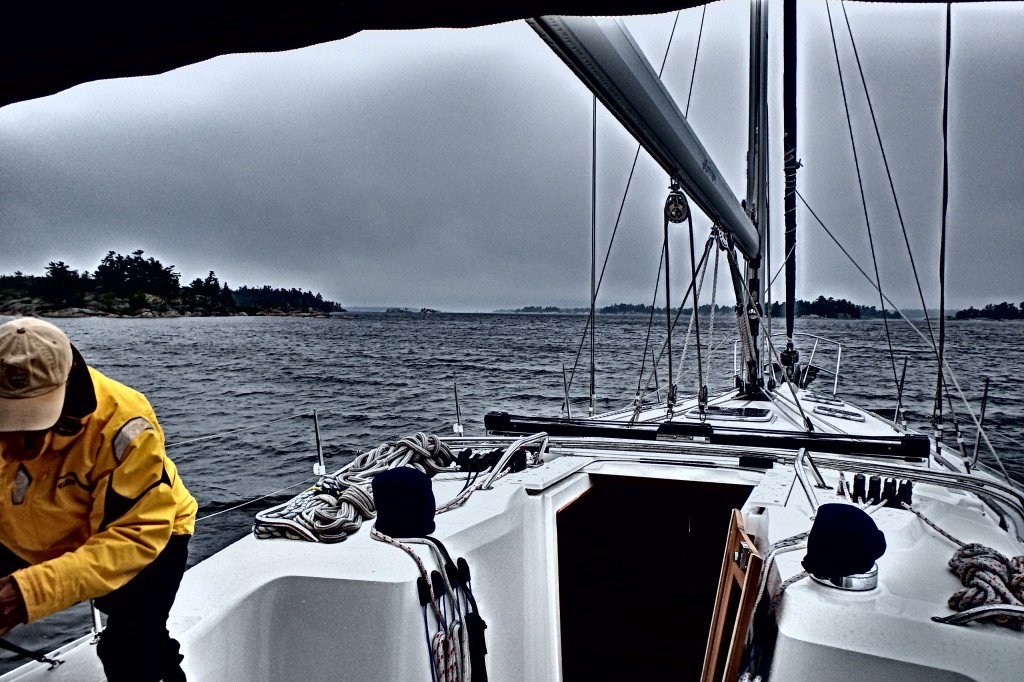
(664, 253)
(696, 53)
(863, 198)
(682, 305)
(230, 432)
(888, 173)
(940, 385)
(945, 365)
(748, 341)
(593, 261)
(255, 499)
(702, 390)
(937, 409)
(671, 399)
(622, 204)
(709, 344)
(714, 302)
(638, 401)
(789, 254)
(224, 434)
(703, 269)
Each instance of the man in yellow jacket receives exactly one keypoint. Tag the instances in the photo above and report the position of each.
(90, 505)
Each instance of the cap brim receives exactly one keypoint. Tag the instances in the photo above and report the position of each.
(32, 414)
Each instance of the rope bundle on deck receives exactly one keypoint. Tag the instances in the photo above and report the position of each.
(989, 578)
(338, 504)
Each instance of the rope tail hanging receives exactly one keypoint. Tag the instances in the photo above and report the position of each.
(675, 323)
(711, 324)
(702, 389)
(449, 643)
(697, 287)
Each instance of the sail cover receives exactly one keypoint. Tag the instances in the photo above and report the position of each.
(48, 48)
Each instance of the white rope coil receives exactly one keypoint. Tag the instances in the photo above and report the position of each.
(338, 504)
(988, 576)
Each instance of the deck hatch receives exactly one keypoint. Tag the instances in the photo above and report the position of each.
(747, 414)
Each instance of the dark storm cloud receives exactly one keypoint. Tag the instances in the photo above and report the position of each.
(451, 169)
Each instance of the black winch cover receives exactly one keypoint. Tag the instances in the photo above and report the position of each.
(405, 503)
(843, 541)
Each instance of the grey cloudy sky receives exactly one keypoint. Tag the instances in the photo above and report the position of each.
(451, 168)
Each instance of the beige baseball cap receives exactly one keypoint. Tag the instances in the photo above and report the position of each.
(35, 362)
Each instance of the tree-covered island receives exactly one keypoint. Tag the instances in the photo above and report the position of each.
(820, 307)
(993, 311)
(831, 308)
(135, 286)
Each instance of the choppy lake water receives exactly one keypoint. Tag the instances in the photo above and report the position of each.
(375, 378)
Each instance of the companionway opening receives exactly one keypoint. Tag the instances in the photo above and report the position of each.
(638, 564)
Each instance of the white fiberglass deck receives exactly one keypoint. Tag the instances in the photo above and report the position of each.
(586, 543)
(785, 412)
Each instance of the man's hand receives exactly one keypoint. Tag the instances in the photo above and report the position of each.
(12, 606)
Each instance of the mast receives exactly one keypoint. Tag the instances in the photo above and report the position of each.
(757, 277)
(757, 145)
(790, 159)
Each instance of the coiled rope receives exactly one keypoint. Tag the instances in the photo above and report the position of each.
(338, 504)
(988, 576)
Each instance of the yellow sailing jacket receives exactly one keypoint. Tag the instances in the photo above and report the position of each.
(95, 507)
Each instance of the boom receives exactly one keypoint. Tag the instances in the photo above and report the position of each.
(608, 61)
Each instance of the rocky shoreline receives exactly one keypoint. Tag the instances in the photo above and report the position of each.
(36, 308)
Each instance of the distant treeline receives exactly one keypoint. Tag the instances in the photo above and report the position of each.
(616, 309)
(291, 299)
(822, 307)
(132, 284)
(993, 311)
(835, 308)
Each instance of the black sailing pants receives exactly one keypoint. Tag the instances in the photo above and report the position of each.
(135, 645)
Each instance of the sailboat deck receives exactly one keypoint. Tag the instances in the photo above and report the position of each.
(820, 625)
(781, 412)
(306, 598)
(590, 520)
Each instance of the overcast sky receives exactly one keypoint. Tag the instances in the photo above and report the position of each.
(451, 168)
